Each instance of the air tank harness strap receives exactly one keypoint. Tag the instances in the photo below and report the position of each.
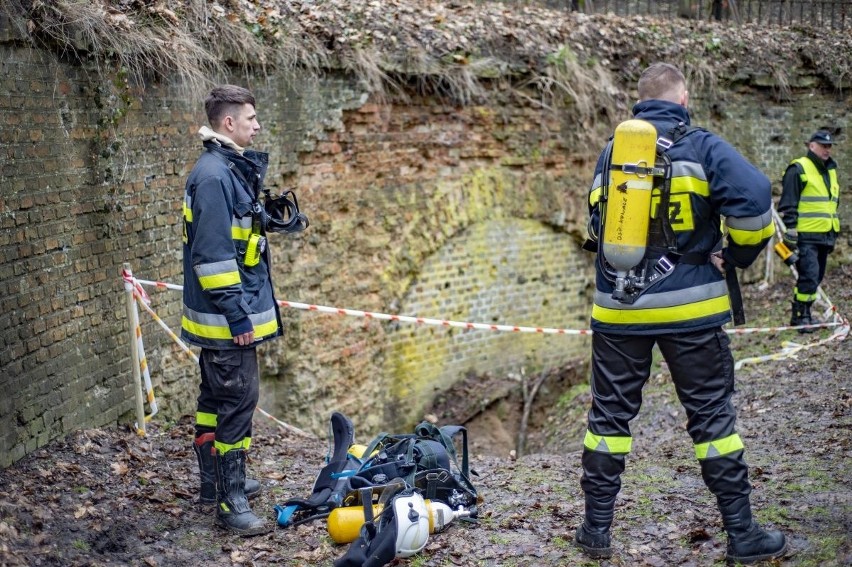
(735, 295)
(666, 263)
(638, 169)
(691, 258)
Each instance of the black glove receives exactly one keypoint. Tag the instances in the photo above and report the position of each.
(791, 239)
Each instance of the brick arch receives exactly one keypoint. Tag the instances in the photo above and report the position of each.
(502, 271)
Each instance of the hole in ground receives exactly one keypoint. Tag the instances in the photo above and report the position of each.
(538, 413)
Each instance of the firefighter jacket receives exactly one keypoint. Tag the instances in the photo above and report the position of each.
(710, 180)
(222, 297)
(809, 199)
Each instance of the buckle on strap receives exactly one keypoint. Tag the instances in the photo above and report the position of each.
(640, 169)
(664, 265)
(664, 143)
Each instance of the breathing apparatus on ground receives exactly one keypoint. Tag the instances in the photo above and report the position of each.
(401, 528)
(386, 497)
(344, 523)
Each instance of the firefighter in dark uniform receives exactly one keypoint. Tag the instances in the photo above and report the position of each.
(808, 208)
(683, 315)
(229, 306)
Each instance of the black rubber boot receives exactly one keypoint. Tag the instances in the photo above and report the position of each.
(807, 318)
(232, 507)
(801, 316)
(595, 544)
(727, 478)
(601, 482)
(747, 542)
(203, 447)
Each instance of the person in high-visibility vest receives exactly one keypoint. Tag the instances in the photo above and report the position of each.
(682, 314)
(808, 207)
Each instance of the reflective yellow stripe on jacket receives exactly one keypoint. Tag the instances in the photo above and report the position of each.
(817, 203)
(750, 231)
(187, 216)
(679, 305)
(688, 179)
(218, 274)
(214, 326)
(241, 228)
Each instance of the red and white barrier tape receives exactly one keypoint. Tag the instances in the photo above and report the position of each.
(437, 322)
(789, 349)
(481, 326)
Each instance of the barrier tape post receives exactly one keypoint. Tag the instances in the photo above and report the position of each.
(133, 326)
(183, 346)
(769, 268)
(143, 300)
(143, 364)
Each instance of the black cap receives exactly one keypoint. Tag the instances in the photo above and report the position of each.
(823, 137)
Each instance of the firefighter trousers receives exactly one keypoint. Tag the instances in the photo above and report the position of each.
(702, 369)
(228, 394)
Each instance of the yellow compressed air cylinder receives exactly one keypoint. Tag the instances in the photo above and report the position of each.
(440, 515)
(344, 524)
(628, 208)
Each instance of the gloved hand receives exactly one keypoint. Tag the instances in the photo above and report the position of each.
(791, 239)
(718, 262)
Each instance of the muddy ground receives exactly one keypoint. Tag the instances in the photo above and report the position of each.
(108, 497)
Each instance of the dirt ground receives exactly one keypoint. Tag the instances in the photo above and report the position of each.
(109, 497)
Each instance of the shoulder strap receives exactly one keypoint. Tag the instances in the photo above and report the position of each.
(332, 484)
(444, 435)
(374, 444)
(676, 134)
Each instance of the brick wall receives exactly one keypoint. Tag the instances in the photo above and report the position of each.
(426, 209)
(389, 191)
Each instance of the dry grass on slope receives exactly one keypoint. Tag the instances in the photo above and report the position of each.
(461, 51)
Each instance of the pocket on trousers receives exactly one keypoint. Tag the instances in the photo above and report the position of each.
(726, 360)
(229, 378)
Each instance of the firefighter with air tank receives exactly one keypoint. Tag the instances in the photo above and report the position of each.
(666, 277)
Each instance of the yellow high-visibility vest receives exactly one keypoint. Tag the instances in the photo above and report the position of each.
(817, 203)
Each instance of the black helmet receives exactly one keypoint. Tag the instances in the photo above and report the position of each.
(282, 213)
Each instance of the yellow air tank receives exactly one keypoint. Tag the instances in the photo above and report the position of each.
(628, 207)
(344, 524)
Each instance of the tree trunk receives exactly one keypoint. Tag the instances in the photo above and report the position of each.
(687, 9)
